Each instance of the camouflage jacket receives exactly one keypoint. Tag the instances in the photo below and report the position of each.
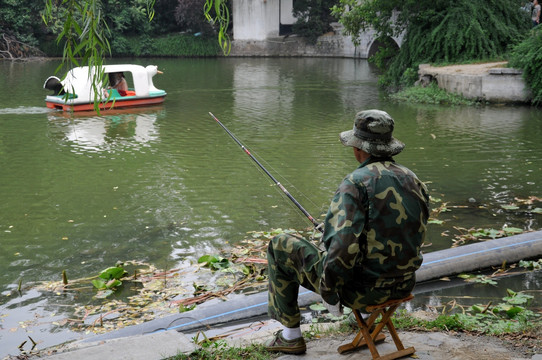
(374, 229)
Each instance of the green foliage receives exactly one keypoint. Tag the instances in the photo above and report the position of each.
(437, 31)
(21, 19)
(314, 18)
(174, 45)
(510, 316)
(531, 264)
(85, 38)
(431, 94)
(214, 262)
(212, 350)
(127, 17)
(527, 56)
(189, 16)
(357, 16)
(178, 45)
(109, 280)
(217, 13)
(480, 279)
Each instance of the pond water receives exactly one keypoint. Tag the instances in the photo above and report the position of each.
(166, 184)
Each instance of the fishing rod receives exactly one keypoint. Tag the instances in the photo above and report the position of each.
(305, 212)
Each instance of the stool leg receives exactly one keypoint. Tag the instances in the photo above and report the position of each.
(364, 337)
(401, 351)
(364, 327)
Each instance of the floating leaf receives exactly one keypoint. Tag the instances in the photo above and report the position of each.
(99, 284)
(113, 283)
(513, 230)
(531, 265)
(317, 307)
(112, 273)
(103, 294)
(510, 207)
(183, 308)
(517, 298)
(476, 308)
(513, 311)
(207, 259)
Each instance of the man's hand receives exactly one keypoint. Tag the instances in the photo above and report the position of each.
(335, 310)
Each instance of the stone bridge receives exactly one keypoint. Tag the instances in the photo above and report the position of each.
(263, 28)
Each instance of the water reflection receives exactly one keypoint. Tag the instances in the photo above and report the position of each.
(490, 152)
(259, 88)
(110, 132)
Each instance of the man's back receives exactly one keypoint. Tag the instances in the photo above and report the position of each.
(374, 232)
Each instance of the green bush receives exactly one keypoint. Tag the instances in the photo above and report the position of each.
(439, 31)
(179, 45)
(431, 94)
(528, 56)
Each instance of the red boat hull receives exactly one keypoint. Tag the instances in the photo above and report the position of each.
(108, 105)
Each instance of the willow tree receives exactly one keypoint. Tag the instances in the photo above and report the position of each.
(436, 31)
(217, 13)
(527, 56)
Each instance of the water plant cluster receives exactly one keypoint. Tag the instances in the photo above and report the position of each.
(529, 207)
(133, 292)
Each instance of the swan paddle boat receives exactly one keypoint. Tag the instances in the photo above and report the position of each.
(75, 92)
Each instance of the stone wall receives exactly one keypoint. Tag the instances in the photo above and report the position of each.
(492, 84)
(332, 44)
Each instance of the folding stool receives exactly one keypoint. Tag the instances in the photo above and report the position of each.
(365, 338)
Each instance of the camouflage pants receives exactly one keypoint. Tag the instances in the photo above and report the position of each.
(292, 261)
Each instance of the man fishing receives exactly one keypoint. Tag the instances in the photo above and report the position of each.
(373, 232)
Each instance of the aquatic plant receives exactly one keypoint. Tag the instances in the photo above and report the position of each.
(109, 280)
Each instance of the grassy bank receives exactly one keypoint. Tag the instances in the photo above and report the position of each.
(431, 94)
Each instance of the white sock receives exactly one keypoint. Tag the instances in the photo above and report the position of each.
(291, 333)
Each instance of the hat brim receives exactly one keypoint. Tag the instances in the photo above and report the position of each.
(388, 148)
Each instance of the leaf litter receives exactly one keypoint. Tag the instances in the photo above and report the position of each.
(144, 292)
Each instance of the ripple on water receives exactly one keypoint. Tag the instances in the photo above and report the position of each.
(25, 110)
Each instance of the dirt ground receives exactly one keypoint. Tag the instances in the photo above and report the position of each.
(466, 69)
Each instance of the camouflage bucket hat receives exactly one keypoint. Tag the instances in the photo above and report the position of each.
(372, 133)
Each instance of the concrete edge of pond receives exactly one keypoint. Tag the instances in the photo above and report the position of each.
(492, 82)
(436, 265)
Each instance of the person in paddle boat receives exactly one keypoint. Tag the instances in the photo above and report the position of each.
(118, 82)
(373, 233)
